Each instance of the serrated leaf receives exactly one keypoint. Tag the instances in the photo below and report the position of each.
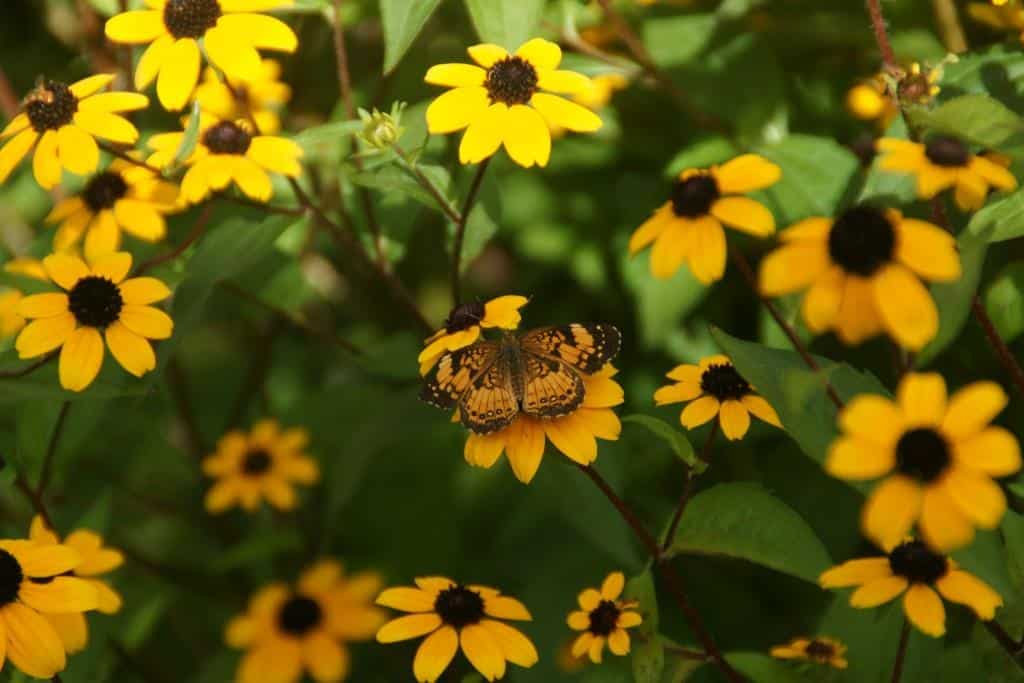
(675, 439)
(508, 23)
(402, 21)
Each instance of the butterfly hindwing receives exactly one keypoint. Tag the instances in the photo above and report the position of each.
(491, 402)
(455, 372)
(585, 347)
(551, 388)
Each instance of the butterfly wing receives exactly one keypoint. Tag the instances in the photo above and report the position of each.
(551, 388)
(455, 372)
(585, 347)
(491, 402)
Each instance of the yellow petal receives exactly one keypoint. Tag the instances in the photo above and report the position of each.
(435, 654)
(744, 214)
(558, 111)
(90, 85)
(486, 54)
(456, 75)
(411, 626)
(135, 28)
(564, 82)
(611, 588)
(855, 572)
(891, 510)
(708, 252)
(483, 651)
(672, 247)
(276, 154)
(943, 525)
(143, 290)
(525, 448)
(15, 150)
(972, 408)
(515, 647)
(792, 268)
(179, 74)
(677, 393)
(325, 659)
(113, 267)
(113, 102)
(928, 250)
(874, 419)
(966, 589)
(32, 643)
(134, 353)
(542, 54)
(46, 162)
(43, 305)
(45, 335)
(527, 137)
(618, 642)
(72, 630)
(735, 420)
(234, 57)
(407, 599)
(570, 436)
(252, 180)
(746, 173)
(854, 459)
(858, 318)
(878, 591)
(977, 496)
(762, 410)
(262, 31)
(81, 358)
(503, 312)
(651, 229)
(924, 609)
(484, 134)
(141, 219)
(922, 399)
(152, 61)
(994, 451)
(700, 411)
(78, 151)
(63, 594)
(107, 126)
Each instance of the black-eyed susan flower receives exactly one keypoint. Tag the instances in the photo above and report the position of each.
(231, 31)
(286, 631)
(945, 162)
(97, 560)
(262, 97)
(451, 615)
(915, 572)
(97, 304)
(715, 387)
(503, 102)
(34, 583)
(1004, 17)
(862, 271)
(938, 458)
(466, 323)
(125, 197)
(226, 152)
(61, 122)
(870, 100)
(264, 464)
(820, 650)
(688, 227)
(603, 619)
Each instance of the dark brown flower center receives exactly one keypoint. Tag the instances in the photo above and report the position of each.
(95, 301)
(604, 618)
(227, 138)
(724, 383)
(861, 240)
(103, 190)
(256, 462)
(512, 80)
(299, 616)
(922, 454)
(11, 577)
(459, 606)
(947, 151)
(915, 562)
(693, 197)
(464, 316)
(190, 18)
(50, 106)
(820, 650)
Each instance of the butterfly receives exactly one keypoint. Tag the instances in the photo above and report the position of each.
(538, 373)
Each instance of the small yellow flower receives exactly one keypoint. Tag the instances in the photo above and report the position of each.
(870, 101)
(466, 323)
(453, 615)
(601, 90)
(715, 387)
(1004, 17)
(915, 572)
(603, 617)
(62, 122)
(286, 632)
(863, 271)
(263, 464)
(500, 102)
(688, 228)
(820, 650)
(98, 299)
(125, 197)
(944, 162)
(263, 97)
(231, 31)
(938, 458)
(226, 152)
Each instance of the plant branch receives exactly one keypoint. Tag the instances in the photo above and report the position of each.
(952, 32)
(34, 499)
(28, 369)
(460, 231)
(197, 231)
(998, 344)
(882, 35)
(51, 448)
(684, 497)
(124, 156)
(425, 182)
(901, 653)
(1013, 648)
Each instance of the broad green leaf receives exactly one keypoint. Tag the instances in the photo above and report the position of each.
(648, 650)
(315, 141)
(641, 589)
(676, 40)
(648, 659)
(975, 118)
(480, 228)
(233, 247)
(760, 667)
(402, 21)
(675, 439)
(191, 138)
(661, 305)
(1000, 220)
(508, 23)
(815, 173)
(995, 71)
(1013, 535)
(1004, 301)
(392, 179)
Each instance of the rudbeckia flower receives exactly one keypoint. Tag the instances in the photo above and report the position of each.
(870, 100)
(263, 97)
(465, 324)
(125, 197)
(713, 388)
(97, 303)
(231, 32)
(264, 464)
(502, 102)
(33, 585)
(96, 561)
(575, 434)
(1006, 17)
(938, 458)
(944, 162)
(915, 572)
(451, 614)
(62, 122)
(603, 617)
(820, 650)
(286, 632)
(227, 152)
(862, 271)
(688, 227)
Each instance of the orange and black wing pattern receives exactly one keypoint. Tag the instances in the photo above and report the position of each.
(455, 372)
(551, 387)
(585, 347)
(490, 403)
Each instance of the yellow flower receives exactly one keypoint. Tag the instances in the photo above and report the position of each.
(286, 632)
(465, 324)
(870, 101)
(33, 586)
(575, 434)
(863, 274)
(231, 32)
(61, 122)
(228, 151)
(601, 89)
(938, 458)
(96, 561)
(500, 102)
(98, 299)
(688, 227)
(263, 97)
(260, 465)
(126, 197)
(603, 618)
(1005, 17)
(942, 163)
(915, 572)
(453, 615)
(715, 387)
(820, 650)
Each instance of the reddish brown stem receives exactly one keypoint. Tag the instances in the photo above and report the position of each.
(197, 231)
(460, 231)
(1002, 351)
(901, 653)
(881, 34)
(684, 497)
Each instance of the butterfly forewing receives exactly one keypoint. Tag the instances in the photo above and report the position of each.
(491, 402)
(455, 373)
(586, 347)
(551, 388)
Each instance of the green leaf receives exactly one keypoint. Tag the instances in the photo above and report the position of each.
(676, 40)
(1000, 220)
(660, 304)
(480, 228)
(815, 173)
(392, 179)
(762, 668)
(191, 138)
(262, 546)
(975, 118)
(315, 141)
(1004, 301)
(648, 660)
(508, 23)
(744, 521)
(402, 21)
(233, 247)
(675, 439)
(649, 651)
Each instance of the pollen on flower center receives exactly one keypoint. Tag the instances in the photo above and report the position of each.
(915, 562)
(820, 650)
(922, 454)
(604, 618)
(95, 301)
(861, 240)
(50, 106)
(227, 138)
(256, 462)
(724, 383)
(947, 151)
(512, 80)
(464, 316)
(694, 196)
(459, 606)
(190, 18)
(11, 577)
(103, 190)
(299, 616)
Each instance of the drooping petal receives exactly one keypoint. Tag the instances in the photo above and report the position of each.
(792, 268)
(700, 411)
(972, 408)
(152, 60)
(527, 137)
(928, 250)
(735, 420)
(891, 510)
(46, 161)
(515, 647)
(484, 135)
(761, 409)
(744, 214)
(823, 302)
(924, 609)
(434, 655)
(81, 358)
(524, 447)
(483, 651)
(262, 31)
(558, 111)
(15, 150)
(943, 524)
(150, 322)
(134, 353)
(32, 643)
(878, 591)
(179, 74)
(977, 496)
(78, 151)
(708, 253)
(966, 589)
